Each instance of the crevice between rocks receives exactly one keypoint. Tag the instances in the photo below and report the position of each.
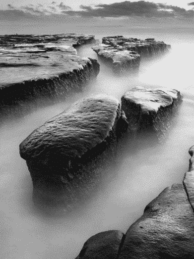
(190, 170)
(121, 245)
(187, 193)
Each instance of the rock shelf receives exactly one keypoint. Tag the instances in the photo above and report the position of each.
(124, 54)
(33, 66)
(149, 108)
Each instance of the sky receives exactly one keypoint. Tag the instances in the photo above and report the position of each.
(76, 3)
(24, 15)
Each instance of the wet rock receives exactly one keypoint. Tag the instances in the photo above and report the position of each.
(189, 179)
(67, 151)
(166, 230)
(104, 245)
(120, 60)
(148, 47)
(149, 109)
(46, 65)
(123, 54)
(30, 40)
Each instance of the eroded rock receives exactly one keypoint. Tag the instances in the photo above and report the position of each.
(120, 60)
(166, 230)
(148, 47)
(149, 109)
(46, 65)
(124, 54)
(189, 179)
(68, 150)
(104, 245)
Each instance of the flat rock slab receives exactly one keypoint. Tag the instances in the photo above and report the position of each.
(67, 149)
(165, 231)
(32, 64)
(120, 60)
(149, 109)
(104, 245)
(148, 47)
(124, 54)
(25, 40)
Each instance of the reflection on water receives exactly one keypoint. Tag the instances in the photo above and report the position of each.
(142, 169)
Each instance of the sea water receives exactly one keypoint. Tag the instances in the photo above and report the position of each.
(141, 171)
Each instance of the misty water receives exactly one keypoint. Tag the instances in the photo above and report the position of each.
(141, 171)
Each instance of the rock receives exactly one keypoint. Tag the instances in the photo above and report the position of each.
(123, 54)
(165, 231)
(189, 179)
(30, 40)
(68, 150)
(148, 47)
(46, 65)
(120, 60)
(104, 245)
(149, 109)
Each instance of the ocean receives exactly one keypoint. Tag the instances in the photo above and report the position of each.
(141, 171)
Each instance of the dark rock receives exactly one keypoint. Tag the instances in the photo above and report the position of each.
(30, 40)
(123, 54)
(189, 179)
(68, 150)
(165, 231)
(45, 65)
(149, 109)
(104, 245)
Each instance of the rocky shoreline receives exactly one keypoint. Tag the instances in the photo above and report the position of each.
(70, 148)
(68, 151)
(33, 66)
(125, 54)
(166, 229)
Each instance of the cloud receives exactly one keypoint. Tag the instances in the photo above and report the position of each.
(10, 6)
(132, 9)
(33, 12)
(14, 15)
(64, 7)
(192, 3)
(126, 9)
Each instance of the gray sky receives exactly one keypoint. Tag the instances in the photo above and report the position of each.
(77, 3)
(37, 13)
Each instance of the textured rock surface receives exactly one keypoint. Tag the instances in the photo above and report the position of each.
(189, 179)
(148, 47)
(147, 108)
(104, 245)
(64, 153)
(166, 229)
(121, 60)
(124, 53)
(45, 65)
